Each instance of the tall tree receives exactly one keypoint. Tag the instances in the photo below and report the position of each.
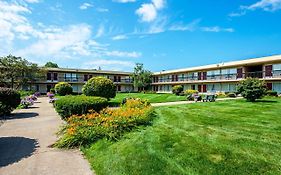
(51, 64)
(142, 78)
(16, 71)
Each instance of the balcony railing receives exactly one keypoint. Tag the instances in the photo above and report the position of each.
(258, 74)
(79, 79)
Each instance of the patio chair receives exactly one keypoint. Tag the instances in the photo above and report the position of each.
(197, 98)
(209, 98)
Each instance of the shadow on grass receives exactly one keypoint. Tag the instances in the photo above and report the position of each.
(21, 115)
(13, 149)
(113, 104)
(265, 101)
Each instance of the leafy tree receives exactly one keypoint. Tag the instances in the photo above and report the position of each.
(16, 71)
(177, 89)
(63, 88)
(252, 89)
(141, 78)
(51, 65)
(101, 87)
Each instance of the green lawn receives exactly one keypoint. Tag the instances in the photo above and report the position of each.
(152, 98)
(227, 137)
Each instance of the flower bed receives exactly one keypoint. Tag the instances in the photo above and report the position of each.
(28, 101)
(109, 123)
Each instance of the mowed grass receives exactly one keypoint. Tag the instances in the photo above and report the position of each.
(152, 98)
(226, 137)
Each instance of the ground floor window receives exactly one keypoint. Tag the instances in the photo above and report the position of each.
(118, 88)
(277, 87)
(37, 88)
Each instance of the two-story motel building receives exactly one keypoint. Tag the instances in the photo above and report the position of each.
(78, 77)
(222, 77)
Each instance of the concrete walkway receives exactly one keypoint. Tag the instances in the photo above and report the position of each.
(187, 102)
(25, 138)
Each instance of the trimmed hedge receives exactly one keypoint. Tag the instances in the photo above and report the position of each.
(101, 87)
(272, 93)
(63, 88)
(9, 100)
(78, 105)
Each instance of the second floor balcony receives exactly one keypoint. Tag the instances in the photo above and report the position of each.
(221, 77)
(79, 79)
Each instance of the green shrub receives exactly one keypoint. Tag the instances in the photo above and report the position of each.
(52, 90)
(77, 105)
(109, 123)
(63, 88)
(100, 87)
(252, 89)
(232, 95)
(177, 89)
(190, 92)
(9, 100)
(272, 93)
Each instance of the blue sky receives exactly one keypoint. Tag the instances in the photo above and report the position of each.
(162, 34)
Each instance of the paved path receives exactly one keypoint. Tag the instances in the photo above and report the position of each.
(25, 138)
(187, 102)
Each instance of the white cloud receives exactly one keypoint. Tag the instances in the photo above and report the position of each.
(100, 31)
(32, 1)
(123, 54)
(119, 37)
(85, 6)
(159, 4)
(13, 21)
(216, 29)
(102, 9)
(124, 1)
(148, 11)
(265, 5)
(188, 27)
(53, 42)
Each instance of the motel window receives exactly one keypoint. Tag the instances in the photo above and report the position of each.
(85, 77)
(232, 71)
(55, 76)
(276, 67)
(49, 76)
(70, 77)
(277, 87)
(224, 71)
(193, 87)
(37, 88)
(118, 88)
